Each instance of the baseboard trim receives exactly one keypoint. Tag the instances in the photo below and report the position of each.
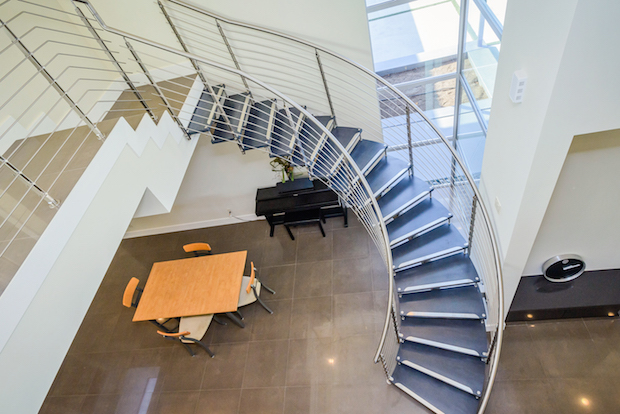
(191, 226)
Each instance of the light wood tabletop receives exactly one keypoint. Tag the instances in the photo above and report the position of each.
(195, 286)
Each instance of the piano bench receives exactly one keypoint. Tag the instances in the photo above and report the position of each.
(304, 217)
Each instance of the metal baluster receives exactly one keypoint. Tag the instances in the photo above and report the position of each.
(203, 78)
(474, 205)
(395, 321)
(409, 143)
(107, 51)
(53, 81)
(232, 55)
(329, 98)
(48, 198)
(157, 89)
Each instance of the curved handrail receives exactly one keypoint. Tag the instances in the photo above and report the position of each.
(465, 171)
(457, 159)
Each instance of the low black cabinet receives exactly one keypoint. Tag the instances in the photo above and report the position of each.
(299, 196)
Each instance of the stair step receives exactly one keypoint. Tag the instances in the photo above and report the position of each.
(260, 125)
(441, 242)
(426, 215)
(366, 153)
(237, 108)
(409, 191)
(467, 336)
(312, 139)
(450, 271)
(464, 302)
(347, 136)
(437, 396)
(461, 371)
(284, 132)
(386, 173)
(205, 111)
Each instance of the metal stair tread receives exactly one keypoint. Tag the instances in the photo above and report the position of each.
(234, 106)
(426, 212)
(464, 372)
(441, 239)
(438, 396)
(385, 173)
(449, 271)
(311, 135)
(465, 302)
(258, 127)
(366, 152)
(282, 134)
(204, 113)
(467, 336)
(407, 191)
(347, 136)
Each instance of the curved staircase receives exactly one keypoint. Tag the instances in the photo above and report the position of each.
(441, 361)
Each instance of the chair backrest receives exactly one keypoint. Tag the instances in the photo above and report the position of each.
(199, 249)
(174, 335)
(252, 277)
(130, 291)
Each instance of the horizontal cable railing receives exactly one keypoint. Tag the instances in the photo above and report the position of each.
(329, 84)
(62, 89)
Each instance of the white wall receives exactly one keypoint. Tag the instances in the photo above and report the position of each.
(220, 177)
(582, 216)
(340, 25)
(573, 88)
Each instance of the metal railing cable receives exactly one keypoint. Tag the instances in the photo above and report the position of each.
(57, 86)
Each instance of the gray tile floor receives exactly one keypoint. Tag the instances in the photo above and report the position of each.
(314, 354)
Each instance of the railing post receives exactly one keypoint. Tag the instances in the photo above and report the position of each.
(107, 51)
(157, 88)
(329, 98)
(395, 317)
(51, 201)
(201, 75)
(472, 220)
(409, 141)
(53, 82)
(232, 54)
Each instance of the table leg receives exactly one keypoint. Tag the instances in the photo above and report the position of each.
(346, 216)
(235, 319)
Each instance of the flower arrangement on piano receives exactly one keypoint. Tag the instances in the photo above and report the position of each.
(284, 167)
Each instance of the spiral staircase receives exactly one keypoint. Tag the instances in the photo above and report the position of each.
(386, 160)
(441, 360)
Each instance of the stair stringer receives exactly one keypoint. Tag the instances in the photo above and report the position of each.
(47, 299)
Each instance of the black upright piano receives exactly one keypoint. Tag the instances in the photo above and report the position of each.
(297, 196)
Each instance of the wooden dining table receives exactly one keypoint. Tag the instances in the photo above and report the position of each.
(195, 286)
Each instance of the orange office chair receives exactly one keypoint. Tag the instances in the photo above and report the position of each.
(251, 293)
(198, 249)
(131, 298)
(183, 338)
